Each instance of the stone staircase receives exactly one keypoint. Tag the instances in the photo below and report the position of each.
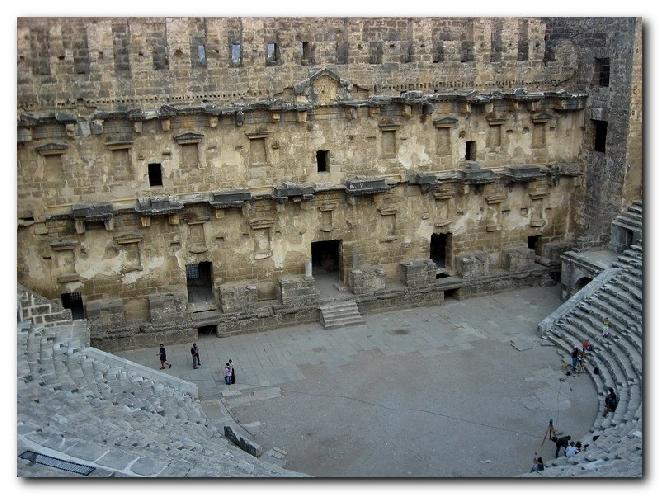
(618, 449)
(627, 228)
(631, 218)
(340, 314)
(79, 406)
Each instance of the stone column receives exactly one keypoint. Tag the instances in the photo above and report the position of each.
(308, 268)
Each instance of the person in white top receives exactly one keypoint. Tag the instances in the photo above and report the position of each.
(571, 450)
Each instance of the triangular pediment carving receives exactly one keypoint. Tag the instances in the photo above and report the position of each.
(189, 138)
(324, 87)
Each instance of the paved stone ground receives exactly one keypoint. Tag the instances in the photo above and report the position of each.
(461, 389)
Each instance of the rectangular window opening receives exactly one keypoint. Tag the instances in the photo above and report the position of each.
(272, 53)
(155, 175)
(602, 72)
(322, 161)
(236, 53)
(600, 128)
(471, 150)
(201, 55)
(307, 57)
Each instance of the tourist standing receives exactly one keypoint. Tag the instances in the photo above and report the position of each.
(560, 442)
(194, 350)
(163, 357)
(227, 374)
(233, 372)
(574, 358)
(611, 402)
(606, 327)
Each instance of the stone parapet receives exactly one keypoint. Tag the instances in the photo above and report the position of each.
(367, 279)
(417, 273)
(298, 291)
(237, 296)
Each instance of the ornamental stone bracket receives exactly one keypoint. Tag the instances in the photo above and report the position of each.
(96, 212)
(230, 199)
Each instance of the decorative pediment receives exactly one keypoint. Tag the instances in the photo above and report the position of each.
(258, 134)
(322, 88)
(118, 143)
(63, 244)
(261, 223)
(52, 149)
(542, 117)
(387, 124)
(445, 122)
(495, 119)
(128, 238)
(189, 138)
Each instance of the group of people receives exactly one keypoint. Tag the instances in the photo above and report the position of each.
(229, 371)
(611, 402)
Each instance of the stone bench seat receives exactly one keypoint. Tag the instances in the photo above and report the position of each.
(618, 341)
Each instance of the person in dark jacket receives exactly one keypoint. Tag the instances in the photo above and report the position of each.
(163, 358)
(560, 442)
(233, 372)
(537, 463)
(611, 402)
(574, 358)
(194, 350)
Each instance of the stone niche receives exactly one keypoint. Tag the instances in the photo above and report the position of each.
(474, 265)
(167, 309)
(298, 291)
(518, 259)
(417, 273)
(238, 297)
(367, 279)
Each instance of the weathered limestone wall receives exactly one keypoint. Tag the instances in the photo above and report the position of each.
(633, 184)
(200, 153)
(481, 130)
(111, 63)
(618, 41)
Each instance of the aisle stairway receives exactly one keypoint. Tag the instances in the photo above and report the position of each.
(340, 314)
(78, 407)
